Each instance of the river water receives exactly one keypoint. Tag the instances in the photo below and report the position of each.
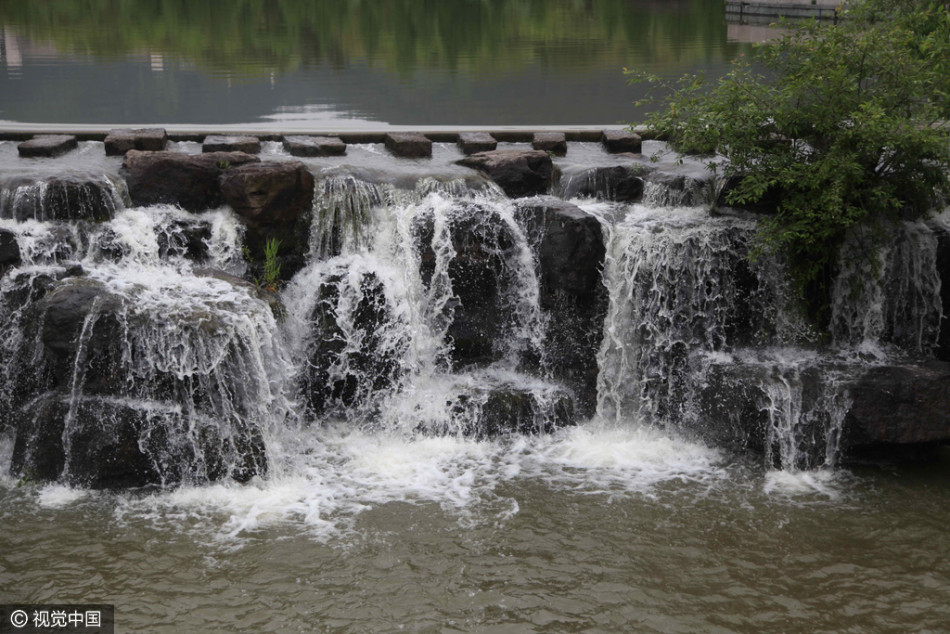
(347, 65)
(596, 530)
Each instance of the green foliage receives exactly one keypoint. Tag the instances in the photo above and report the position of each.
(271, 275)
(846, 126)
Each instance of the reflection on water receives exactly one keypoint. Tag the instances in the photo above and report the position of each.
(345, 64)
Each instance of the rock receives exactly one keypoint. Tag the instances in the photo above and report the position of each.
(275, 201)
(9, 249)
(942, 351)
(271, 298)
(903, 404)
(677, 190)
(472, 142)
(217, 143)
(621, 141)
(117, 444)
(118, 142)
(350, 360)
(314, 146)
(408, 145)
(70, 196)
(480, 277)
(553, 142)
(569, 246)
(47, 146)
(187, 180)
(518, 172)
(621, 183)
(185, 239)
(494, 411)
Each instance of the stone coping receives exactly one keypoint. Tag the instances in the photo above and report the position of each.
(504, 134)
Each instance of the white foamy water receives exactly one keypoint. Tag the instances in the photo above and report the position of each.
(332, 475)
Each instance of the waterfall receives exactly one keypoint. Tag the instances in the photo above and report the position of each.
(679, 285)
(890, 295)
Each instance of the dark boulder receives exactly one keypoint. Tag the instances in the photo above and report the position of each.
(47, 145)
(553, 142)
(275, 202)
(942, 351)
(314, 146)
(408, 145)
(102, 443)
(499, 410)
(121, 141)
(621, 141)
(218, 143)
(482, 246)
(350, 363)
(518, 172)
(620, 183)
(904, 404)
(187, 180)
(69, 196)
(9, 249)
(473, 142)
(569, 247)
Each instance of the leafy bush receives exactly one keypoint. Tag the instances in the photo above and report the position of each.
(846, 125)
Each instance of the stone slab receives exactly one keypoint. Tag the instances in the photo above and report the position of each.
(314, 146)
(553, 142)
(47, 145)
(121, 140)
(218, 143)
(621, 141)
(472, 142)
(408, 145)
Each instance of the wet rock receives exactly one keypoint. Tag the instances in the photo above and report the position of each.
(218, 143)
(103, 443)
(569, 246)
(347, 369)
(553, 142)
(473, 142)
(185, 239)
(670, 189)
(481, 280)
(267, 296)
(508, 409)
(47, 146)
(621, 141)
(120, 141)
(408, 145)
(275, 202)
(76, 196)
(314, 146)
(518, 172)
(904, 404)
(621, 183)
(189, 181)
(942, 351)
(9, 249)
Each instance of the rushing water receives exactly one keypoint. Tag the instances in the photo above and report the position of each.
(330, 64)
(384, 509)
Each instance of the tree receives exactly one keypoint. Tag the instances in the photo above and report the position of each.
(846, 127)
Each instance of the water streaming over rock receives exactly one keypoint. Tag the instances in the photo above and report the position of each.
(427, 307)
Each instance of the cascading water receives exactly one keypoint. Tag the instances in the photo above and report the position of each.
(116, 340)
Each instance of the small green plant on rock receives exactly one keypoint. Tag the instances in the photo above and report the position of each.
(271, 275)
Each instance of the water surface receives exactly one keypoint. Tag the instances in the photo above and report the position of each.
(330, 64)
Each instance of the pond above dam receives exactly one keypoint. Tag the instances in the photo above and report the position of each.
(347, 65)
